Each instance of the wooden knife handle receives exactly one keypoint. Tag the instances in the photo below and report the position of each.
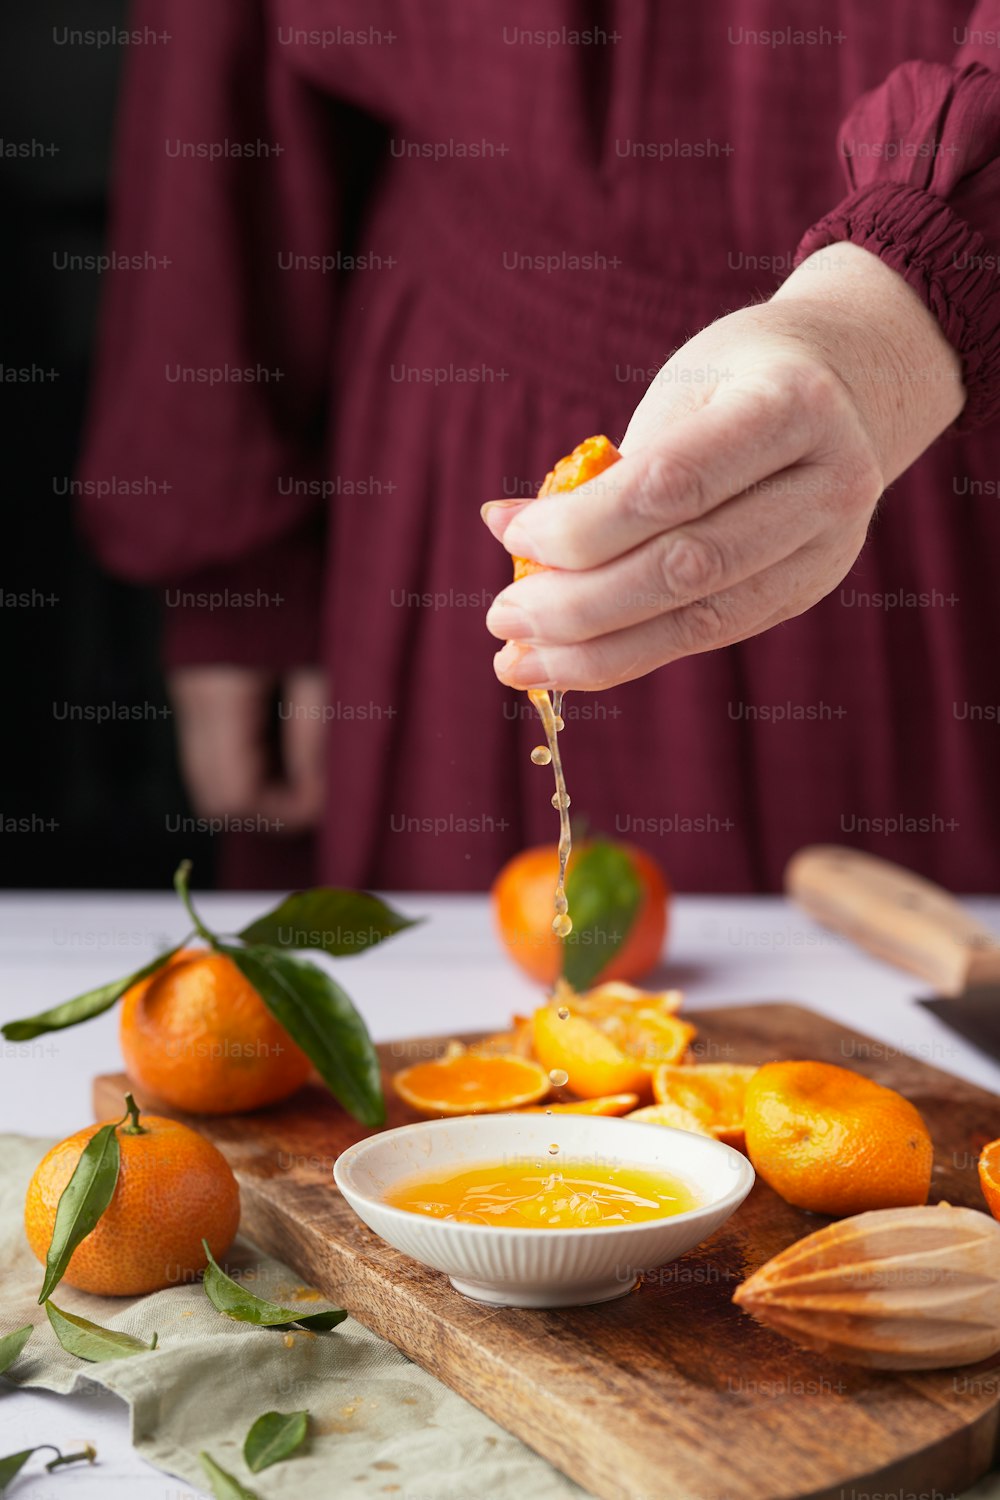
(897, 916)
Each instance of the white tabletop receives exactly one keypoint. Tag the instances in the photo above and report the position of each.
(448, 975)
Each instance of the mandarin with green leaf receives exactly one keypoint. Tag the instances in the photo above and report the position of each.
(197, 1035)
(522, 909)
(174, 1188)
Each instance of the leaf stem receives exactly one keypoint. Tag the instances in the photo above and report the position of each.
(89, 1454)
(181, 877)
(132, 1117)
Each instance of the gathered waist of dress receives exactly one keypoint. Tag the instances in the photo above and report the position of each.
(572, 307)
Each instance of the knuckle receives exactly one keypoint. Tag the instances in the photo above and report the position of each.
(846, 490)
(789, 398)
(698, 626)
(691, 565)
(816, 384)
(821, 395)
(859, 481)
(668, 482)
(777, 388)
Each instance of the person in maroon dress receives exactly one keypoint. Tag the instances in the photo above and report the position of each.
(388, 262)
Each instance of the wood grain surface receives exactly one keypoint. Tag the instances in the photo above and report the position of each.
(670, 1393)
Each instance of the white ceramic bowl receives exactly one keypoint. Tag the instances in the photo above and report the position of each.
(541, 1267)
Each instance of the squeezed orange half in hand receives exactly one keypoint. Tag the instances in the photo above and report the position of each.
(588, 459)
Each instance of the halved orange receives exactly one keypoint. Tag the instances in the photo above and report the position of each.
(611, 1040)
(591, 1063)
(714, 1092)
(656, 1039)
(989, 1176)
(607, 1104)
(641, 1023)
(674, 1115)
(472, 1083)
(615, 997)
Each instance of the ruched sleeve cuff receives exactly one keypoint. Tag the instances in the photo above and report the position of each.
(921, 155)
(947, 263)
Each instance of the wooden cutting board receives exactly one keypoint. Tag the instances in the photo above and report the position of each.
(671, 1391)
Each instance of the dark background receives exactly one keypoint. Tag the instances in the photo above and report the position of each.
(82, 802)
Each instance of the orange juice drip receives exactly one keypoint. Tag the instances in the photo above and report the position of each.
(531, 1194)
(550, 714)
(587, 460)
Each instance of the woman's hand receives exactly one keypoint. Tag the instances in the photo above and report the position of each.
(751, 469)
(226, 736)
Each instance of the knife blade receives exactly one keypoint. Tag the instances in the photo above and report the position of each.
(910, 923)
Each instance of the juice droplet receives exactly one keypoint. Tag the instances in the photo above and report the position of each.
(559, 723)
(541, 756)
(562, 925)
(553, 1149)
(558, 1077)
(563, 1012)
(560, 799)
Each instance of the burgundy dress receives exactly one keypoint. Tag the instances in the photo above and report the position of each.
(415, 253)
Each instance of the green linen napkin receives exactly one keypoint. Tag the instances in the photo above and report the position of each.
(381, 1427)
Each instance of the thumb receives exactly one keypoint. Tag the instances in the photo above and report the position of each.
(673, 392)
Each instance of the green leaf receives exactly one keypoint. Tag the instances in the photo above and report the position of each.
(83, 1201)
(11, 1345)
(273, 1437)
(224, 1485)
(228, 1297)
(319, 1017)
(604, 894)
(337, 921)
(181, 877)
(12, 1465)
(90, 1341)
(83, 1007)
